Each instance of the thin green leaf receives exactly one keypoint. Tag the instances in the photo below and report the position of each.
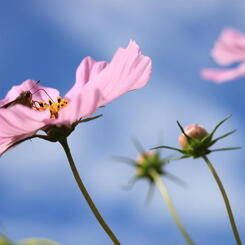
(89, 119)
(130, 184)
(206, 139)
(150, 193)
(185, 156)
(219, 124)
(167, 147)
(182, 130)
(226, 149)
(139, 147)
(175, 179)
(223, 136)
(127, 160)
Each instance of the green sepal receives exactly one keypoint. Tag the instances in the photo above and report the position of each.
(183, 131)
(227, 149)
(167, 147)
(222, 136)
(219, 124)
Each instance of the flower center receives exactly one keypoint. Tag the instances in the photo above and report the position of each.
(53, 107)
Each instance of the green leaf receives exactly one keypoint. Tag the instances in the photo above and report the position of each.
(139, 147)
(226, 149)
(123, 159)
(219, 124)
(5, 241)
(222, 136)
(89, 119)
(167, 147)
(37, 241)
(183, 131)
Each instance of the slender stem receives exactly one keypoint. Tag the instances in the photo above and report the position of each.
(86, 194)
(226, 200)
(166, 196)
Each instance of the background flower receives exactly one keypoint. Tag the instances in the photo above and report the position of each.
(229, 48)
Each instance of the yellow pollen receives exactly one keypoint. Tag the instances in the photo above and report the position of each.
(54, 107)
(59, 99)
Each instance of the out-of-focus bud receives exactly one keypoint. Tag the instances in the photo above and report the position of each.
(4, 241)
(194, 131)
(147, 161)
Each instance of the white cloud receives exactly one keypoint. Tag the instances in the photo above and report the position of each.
(109, 24)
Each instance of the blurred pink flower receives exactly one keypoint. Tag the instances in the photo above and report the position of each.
(229, 48)
(97, 83)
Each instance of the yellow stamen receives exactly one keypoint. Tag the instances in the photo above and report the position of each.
(50, 101)
(54, 107)
(59, 99)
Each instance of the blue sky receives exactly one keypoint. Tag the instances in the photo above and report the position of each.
(46, 40)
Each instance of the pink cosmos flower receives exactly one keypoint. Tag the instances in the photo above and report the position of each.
(229, 48)
(97, 83)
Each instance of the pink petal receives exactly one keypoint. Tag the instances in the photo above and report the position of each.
(4, 145)
(86, 71)
(223, 75)
(229, 48)
(127, 71)
(40, 93)
(80, 105)
(19, 122)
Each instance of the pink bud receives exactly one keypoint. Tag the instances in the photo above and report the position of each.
(194, 131)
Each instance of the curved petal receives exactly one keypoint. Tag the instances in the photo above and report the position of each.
(17, 123)
(39, 93)
(86, 71)
(127, 71)
(80, 105)
(4, 145)
(42, 93)
(223, 75)
(229, 48)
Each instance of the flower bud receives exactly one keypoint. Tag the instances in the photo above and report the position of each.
(147, 161)
(195, 131)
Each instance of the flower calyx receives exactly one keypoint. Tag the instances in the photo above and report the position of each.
(148, 161)
(53, 133)
(195, 141)
(59, 133)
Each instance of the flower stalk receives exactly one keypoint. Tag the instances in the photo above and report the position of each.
(226, 200)
(151, 166)
(85, 193)
(166, 197)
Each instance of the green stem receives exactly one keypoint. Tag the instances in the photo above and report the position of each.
(86, 194)
(226, 200)
(166, 196)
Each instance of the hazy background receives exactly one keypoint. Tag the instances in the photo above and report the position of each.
(46, 40)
